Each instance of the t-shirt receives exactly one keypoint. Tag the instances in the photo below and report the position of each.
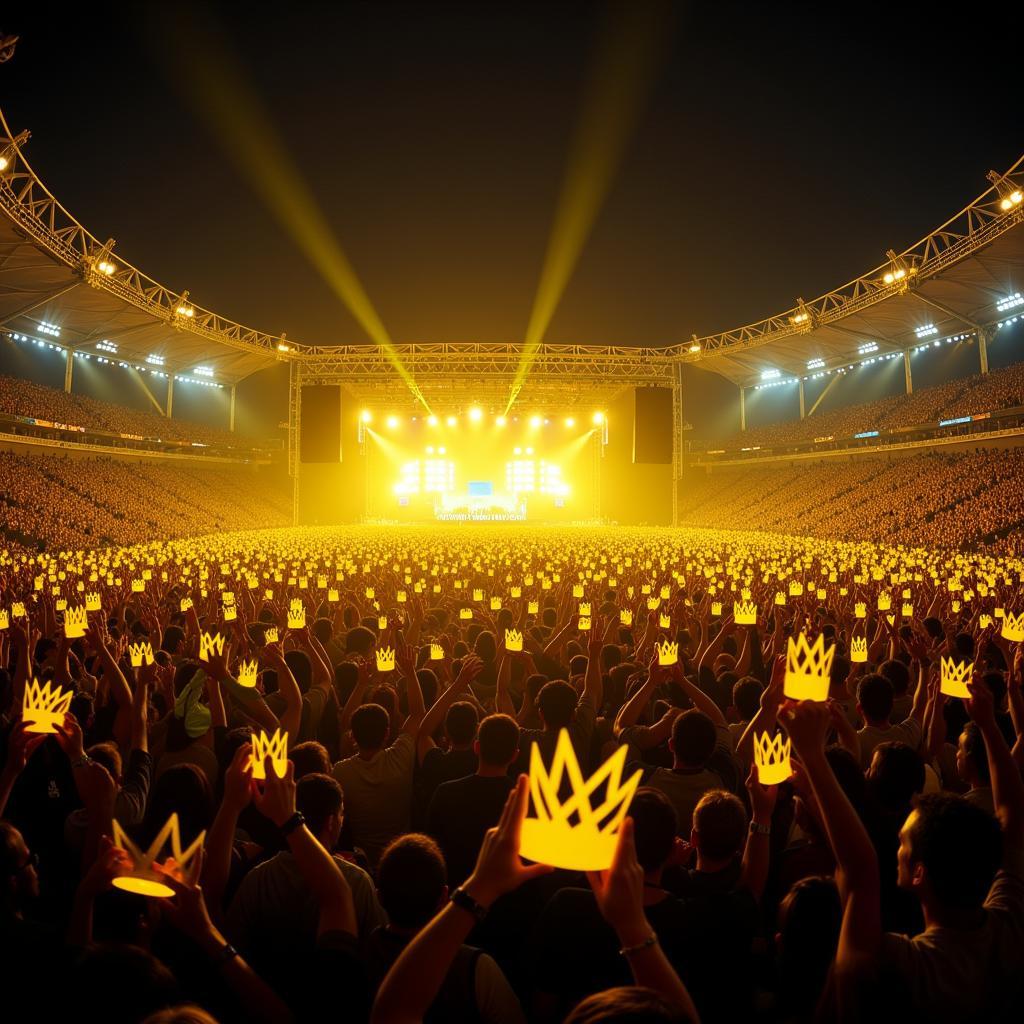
(459, 816)
(962, 976)
(581, 731)
(907, 731)
(439, 766)
(684, 787)
(378, 794)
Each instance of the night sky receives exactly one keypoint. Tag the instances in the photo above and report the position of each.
(780, 155)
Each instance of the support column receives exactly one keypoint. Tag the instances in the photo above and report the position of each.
(802, 413)
(677, 438)
(231, 411)
(743, 409)
(170, 395)
(983, 350)
(69, 363)
(294, 428)
(906, 371)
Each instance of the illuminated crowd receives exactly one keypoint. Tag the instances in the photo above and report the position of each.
(37, 401)
(375, 871)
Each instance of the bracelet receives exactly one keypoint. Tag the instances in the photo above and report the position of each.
(464, 901)
(82, 761)
(297, 820)
(628, 951)
(757, 829)
(225, 955)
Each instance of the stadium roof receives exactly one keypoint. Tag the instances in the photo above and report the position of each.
(54, 271)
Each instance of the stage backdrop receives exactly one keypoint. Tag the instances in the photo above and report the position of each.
(633, 489)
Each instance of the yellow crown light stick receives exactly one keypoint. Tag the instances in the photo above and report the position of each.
(43, 707)
(385, 659)
(668, 653)
(513, 640)
(143, 878)
(575, 835)
(772, 758)
(808, 668)
(276, 747)
(954, 677)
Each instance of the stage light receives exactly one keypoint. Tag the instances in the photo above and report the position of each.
(476, 414)
(186, 311)
(392, 422)
(598, 418)
(282, 347)
(452, 421)
(694, 348)
(500, 421)
(3, 163)
(441, 450)
(432, 420)
(535, 422)
(529, 451)
(106, 267)
(517, 451)
(570, 422)
(430, 449)
(366, 416)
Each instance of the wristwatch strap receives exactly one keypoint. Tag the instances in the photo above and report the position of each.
(464, 901)
(758, 829)
(297, 820)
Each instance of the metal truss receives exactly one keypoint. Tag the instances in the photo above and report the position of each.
(972, 229)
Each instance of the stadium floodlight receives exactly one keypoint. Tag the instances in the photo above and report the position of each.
(186, 311)
(282, 347)
(535, 421)
(106, 268)
(432, 420)
(106, 346)
(203, 371)
(598, 418)
(770, 374)
(570, 422)
(366, 416)
(47, 328)
(815, 364)
(452, 421)
(500, 421)
(694, 347)
(1010, 302)
(3, 163)
(868, 346)
(1007, 202)
(154, 359)
(392, 422)
(476, 414)
(926, 331)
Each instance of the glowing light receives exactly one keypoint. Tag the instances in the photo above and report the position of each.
(106, 267)
(432, 420)
(392, 422)
(694, 348)
(155, 359)
(535, 422)
(597, 419)
(366, 416)
(500, 421)
(186, 311)
(282, 347)
(570, 422)
(452, 421)
(3, 163)
(476, 414)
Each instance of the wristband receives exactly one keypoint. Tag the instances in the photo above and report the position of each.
(464, 901)
(757, 829)
(82, 761)
(628, 951)
(225, 955)
(297, 820)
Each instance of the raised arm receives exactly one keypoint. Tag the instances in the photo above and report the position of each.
(291, 719)
(413, 690)
(593, 687)
(431, 721)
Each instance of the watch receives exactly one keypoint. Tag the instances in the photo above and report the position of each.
(756, 828)
(297, 820)
(464, 901)
(82, 761)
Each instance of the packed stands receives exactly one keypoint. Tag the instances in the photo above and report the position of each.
(57, 502)
(26, 399)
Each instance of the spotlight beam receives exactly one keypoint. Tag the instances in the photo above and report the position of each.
(633, 43)
(216, 85)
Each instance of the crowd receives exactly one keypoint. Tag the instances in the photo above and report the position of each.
(24, 398)
(999, 389)
(965, 500)
(374, 871)
(59, 502)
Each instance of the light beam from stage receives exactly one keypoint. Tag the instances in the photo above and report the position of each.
(630, 51)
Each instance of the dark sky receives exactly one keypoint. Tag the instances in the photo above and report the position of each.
(780, 155)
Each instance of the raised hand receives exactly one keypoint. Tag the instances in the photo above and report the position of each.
(619, 891)
(275, 798)
(807, 723)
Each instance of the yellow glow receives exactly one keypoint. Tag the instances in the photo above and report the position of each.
(694, 348)
(3, 163)
(452, 421)
(575, 835)
(954, 677)
(808, 668)
(432, 420)
(570, 422)
(535, 422)
(628, 55)
(476, 414)
(43, 707)
(392, 422)
(597, 419)
(282, 347)
(143, 886)
(772, 758)
(366, 416)
(859, 650)
(275, 747)
(385, 659)
(500, 421)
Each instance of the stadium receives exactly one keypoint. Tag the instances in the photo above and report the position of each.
(511, 681)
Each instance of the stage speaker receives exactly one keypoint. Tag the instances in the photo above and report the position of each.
(652, 426)
(320, 434)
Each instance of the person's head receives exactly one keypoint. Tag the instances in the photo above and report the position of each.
(895, 776)
(719, 826)
(298, 662)
(746, 698)
(497, 741)
(411, 880)
(610, 657)
(346, 676)
(485, 646)
(949, 853)
(310, 757)
(460, 724)
(360, 640)
(143, 984)
(188, 1014)
(323, 630)
(370, 724)
(971, 756)
(18, 875)
(693, 739)
(898, 675)
(655, 828)
(319, 798)
(874, 699)
(185, 790)
(109, 756)
(628, 1004)
(556, 703)
(173, 641)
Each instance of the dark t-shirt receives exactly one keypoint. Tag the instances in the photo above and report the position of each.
(439, 766)
(459, 816)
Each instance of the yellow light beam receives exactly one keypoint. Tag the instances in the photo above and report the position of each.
(630, 51)
(216, 84)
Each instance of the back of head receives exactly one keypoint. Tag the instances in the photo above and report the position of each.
(185, 790)
(318, 796)
(141, 982)
(693, 738)
(309, 757)
(746, 697)
(898, 675)
(107, 755)
(360, 640)
(960, 847)
(298, 662)
(874, 695)
(810, 916)
(720, 821)
(370, 723)
(173, 636)
(655, 827)
(896, 776)
(323, 630)
(189, 1014)
(626, 1005)
(460, 723)
(557, 702)
(498, 740)
(485, 646)
(411, 880)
